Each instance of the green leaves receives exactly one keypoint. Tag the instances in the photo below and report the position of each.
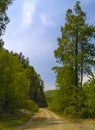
(4, 20)
(13, 81)
(76, 53)
(36, 87)
(75, 47)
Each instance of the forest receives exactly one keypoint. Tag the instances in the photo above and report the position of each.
(21, 87)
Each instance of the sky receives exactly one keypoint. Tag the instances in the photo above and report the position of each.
(34, 28)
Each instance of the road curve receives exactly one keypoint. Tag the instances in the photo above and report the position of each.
(47, 120)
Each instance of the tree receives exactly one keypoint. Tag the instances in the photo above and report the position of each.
(75, 52)
(89, 90)
(14, 84)
(36, 91)
(3, 18)
(76, 48)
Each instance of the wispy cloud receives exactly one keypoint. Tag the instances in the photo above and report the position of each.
(29, 7)
(46, 20)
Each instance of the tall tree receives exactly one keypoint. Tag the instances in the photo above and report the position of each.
(75, 52)
(76, 48)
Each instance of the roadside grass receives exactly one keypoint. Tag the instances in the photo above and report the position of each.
(13, 121)
(74, 118)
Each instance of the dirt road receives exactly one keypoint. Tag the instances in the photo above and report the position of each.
(47, 120)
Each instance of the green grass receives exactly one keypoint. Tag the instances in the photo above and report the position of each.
(11, 122)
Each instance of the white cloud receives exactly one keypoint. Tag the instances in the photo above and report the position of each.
(46, 20)
(29, 7)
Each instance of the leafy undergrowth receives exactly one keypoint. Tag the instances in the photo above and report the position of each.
(13, 121)
(74, 118)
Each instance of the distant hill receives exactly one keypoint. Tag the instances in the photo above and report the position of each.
(49, 93)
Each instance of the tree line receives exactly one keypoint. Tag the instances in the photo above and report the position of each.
(76, 56)
(21, 87)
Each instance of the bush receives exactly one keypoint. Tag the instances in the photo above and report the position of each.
(71, 110)
(29, 105)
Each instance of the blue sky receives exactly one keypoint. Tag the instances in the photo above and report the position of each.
(34, 28)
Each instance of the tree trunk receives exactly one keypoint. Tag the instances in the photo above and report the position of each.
(81, 74)
(76, 60)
